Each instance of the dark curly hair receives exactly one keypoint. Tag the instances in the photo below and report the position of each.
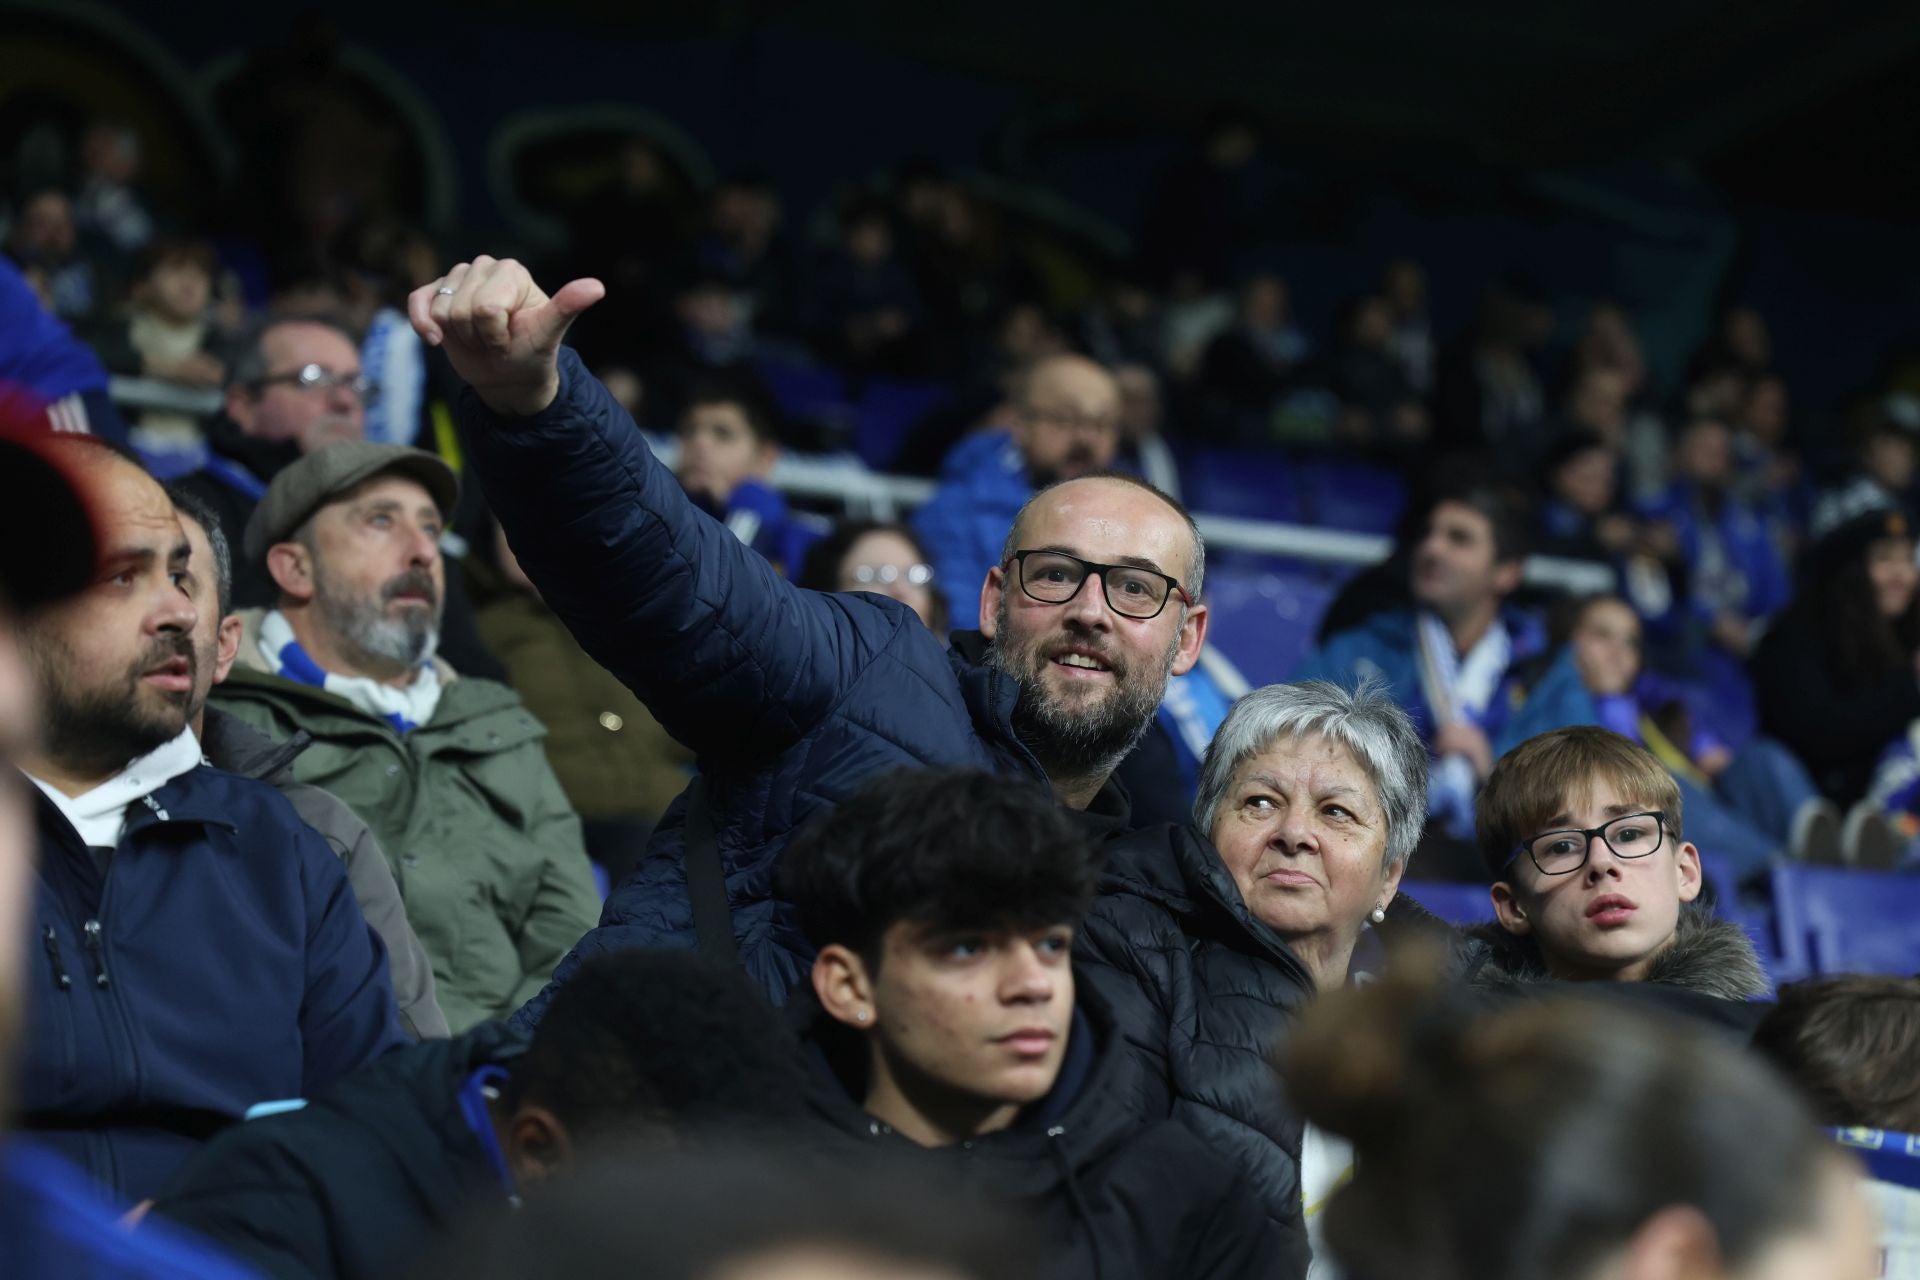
(953, 849)
(641, 1038)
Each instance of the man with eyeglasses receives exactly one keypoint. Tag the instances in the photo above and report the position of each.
(297, 386)
(1594, 882)
(793, 698)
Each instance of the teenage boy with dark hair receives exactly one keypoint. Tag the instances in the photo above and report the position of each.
(947, 1028)
(639, 1045)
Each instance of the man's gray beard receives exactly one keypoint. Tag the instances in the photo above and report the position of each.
(1084, 743)
(362, 624)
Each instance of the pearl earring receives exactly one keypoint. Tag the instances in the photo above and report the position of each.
(860, 1016)
(1379, 915)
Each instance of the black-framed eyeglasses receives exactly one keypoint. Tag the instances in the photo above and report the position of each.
(317, 377)
(918, 575)
(1054, 577)
(1560, 853)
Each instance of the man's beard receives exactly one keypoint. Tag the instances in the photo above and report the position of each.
(363, 624)
(1079, 741)
(97, 731)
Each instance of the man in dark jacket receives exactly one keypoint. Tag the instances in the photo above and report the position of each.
(792, 698)
(232, 744)
(53, 1220)
(377, 1168)
(201, 951)
(947, 1029)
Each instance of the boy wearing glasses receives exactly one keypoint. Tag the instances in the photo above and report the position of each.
(1593, 879)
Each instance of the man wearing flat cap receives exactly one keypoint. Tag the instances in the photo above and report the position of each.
(448, 771)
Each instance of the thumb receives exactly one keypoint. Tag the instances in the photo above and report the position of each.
(552, 320)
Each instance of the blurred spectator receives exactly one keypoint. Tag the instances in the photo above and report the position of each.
(867, 314)
(1736, 576)
(109, 206)
(1849, 1044)
(1208, 206)
(1580, 515)
(886, 559)
(1411, 343)
(237, 747)
(709, 338)
(1695, 1159)
(964, 272)
(1743, 807)
(1143, 441)
(373, 1173)
(755, 1213)
(1489, 389)
(1616, 408)
(1122, 325)
(1066, 425)
(1451, 658)
(945, 1014)
(1742, 341)
(53, 1220)
(618, 767)
(1886, 462)
(728, 448)
(1245, 368)
(167, 333)
(1835, 675)
(630, 231)
(45, 244)
(448, 770)
(296, 386)
(1380, 409)
(742, 243)
(46, 374)
(144, 1045)
(378, 263)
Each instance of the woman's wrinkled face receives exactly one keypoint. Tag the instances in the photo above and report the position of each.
(1304, 835)
(1891, 569)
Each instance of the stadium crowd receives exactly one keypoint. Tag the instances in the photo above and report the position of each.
(463, 818)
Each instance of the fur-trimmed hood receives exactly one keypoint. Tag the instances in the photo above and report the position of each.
(1710, 956)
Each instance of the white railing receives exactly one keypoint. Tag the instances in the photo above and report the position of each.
(871, 495)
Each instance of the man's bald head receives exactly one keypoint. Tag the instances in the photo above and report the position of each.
(1069, 422)
(1133, 499)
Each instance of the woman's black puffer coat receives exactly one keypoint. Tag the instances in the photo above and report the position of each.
(1210, 994)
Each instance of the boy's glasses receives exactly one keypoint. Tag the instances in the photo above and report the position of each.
(1560, 853)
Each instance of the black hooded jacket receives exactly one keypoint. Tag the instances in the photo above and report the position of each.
(368, 1174)
(1208, 992)
(1107, 1196)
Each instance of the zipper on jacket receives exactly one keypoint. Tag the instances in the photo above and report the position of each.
(62, 981)
(98, 948)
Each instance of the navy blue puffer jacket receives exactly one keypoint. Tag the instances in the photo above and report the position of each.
(791, 698)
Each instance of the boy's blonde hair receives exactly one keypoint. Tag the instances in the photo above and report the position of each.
(1555, 772)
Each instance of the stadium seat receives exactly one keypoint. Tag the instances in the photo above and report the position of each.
(1839, 920)
(806, 393)
(1460, 904)
(887, 415)
(1265, 613)
(1255, 484)
(1352, 496)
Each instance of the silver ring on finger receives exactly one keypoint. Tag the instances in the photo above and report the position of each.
(444, 291)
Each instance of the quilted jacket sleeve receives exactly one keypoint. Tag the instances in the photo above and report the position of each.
(730, 657)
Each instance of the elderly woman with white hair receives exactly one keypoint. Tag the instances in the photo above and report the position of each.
(1310, 802)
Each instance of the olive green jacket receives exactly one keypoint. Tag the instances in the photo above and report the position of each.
(484, 847)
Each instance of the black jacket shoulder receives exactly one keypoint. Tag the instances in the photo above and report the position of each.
(367, 1174)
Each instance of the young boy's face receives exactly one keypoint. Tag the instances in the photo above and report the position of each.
(719, 450)
(1609, 919)
(982, 1016)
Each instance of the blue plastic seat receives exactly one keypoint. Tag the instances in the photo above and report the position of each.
(1460, 904)
(1838, 920)
(1352, 496)
(809, 393)
(887, 415)
(1252, 483)
(1264, 614)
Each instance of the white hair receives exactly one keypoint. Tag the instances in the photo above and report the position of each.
(1369, 724)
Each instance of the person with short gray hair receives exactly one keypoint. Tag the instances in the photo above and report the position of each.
(1311, 801)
